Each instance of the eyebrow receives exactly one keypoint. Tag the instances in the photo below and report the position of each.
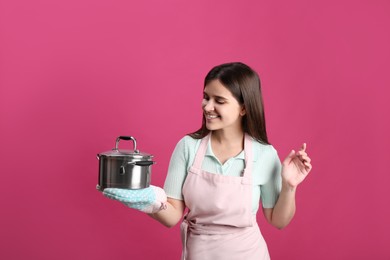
(217, 97)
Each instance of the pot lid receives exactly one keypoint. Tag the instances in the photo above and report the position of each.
(126, 153)
(116, 152)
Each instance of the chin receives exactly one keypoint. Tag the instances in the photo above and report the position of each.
(212, 128)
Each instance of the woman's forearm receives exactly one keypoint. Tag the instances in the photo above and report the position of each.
(284, 210)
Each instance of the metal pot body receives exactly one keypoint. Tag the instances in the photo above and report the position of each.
(118, 173)
(124, 169)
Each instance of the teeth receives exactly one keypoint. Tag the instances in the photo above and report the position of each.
(211, 116)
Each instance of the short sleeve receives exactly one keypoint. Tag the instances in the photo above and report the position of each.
(271, 188)
(177, 171)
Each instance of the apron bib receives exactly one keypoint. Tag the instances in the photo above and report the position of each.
(220, 223)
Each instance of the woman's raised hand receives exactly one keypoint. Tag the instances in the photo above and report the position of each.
(296, 167)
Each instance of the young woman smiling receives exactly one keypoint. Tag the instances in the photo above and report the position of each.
(222, 171)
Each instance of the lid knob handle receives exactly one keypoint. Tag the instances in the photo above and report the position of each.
(126, 138)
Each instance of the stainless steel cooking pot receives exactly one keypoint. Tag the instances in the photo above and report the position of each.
(125, 169)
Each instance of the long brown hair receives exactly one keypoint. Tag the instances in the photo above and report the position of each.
(244, 84)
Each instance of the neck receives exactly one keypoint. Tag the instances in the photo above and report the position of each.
(224, 137)
(226, 145)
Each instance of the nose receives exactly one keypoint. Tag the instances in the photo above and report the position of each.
(208, 105)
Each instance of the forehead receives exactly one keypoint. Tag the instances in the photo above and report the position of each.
(216, 88)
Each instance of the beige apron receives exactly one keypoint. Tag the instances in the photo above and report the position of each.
(220, 223)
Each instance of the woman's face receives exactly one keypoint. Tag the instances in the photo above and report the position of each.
(220, 108)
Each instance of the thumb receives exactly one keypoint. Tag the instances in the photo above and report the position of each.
(289, 157)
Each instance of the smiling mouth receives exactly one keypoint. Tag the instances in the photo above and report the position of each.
(211, 116)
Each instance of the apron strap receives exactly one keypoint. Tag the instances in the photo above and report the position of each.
(248, 156)
(184, 235)
(201, 152)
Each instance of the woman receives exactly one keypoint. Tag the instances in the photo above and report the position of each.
(221, 171)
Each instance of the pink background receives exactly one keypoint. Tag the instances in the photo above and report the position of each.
(76, 74)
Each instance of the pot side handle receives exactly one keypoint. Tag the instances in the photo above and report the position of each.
(142, 163)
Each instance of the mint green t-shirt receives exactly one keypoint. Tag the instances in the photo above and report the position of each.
(266, 175)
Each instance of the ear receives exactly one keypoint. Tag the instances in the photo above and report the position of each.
(243, 111)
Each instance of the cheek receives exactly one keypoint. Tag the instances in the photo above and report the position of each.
(204, 103)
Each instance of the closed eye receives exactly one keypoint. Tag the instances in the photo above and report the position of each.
(220, 101)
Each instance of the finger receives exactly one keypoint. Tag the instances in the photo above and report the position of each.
(289, 157)
(302, 156)
(301, 153)
(305, 158)
(303, 147)
(308, 166)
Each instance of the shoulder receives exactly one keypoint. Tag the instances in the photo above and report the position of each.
(188, 145)
(266, 162)
(188, 141)
(264, 151)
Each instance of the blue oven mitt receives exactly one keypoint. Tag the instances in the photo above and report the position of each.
(148, 200)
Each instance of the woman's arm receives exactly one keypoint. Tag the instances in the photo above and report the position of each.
(177, 172)
(295, 168)
(170, 216)
(284, 210)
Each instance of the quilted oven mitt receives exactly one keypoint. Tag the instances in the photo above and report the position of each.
(148, 200)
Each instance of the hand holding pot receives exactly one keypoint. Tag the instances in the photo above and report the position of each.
(148, 200)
